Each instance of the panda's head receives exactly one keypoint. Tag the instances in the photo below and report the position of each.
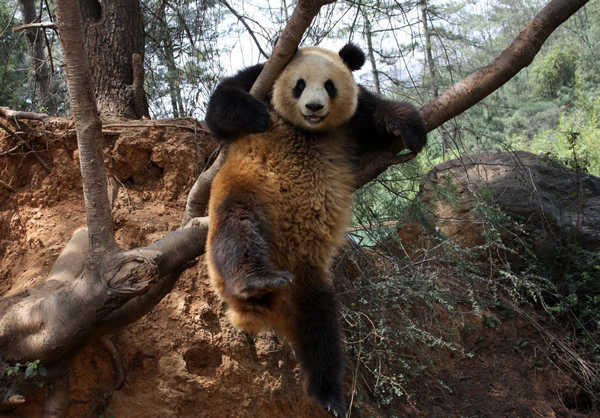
(316, 90)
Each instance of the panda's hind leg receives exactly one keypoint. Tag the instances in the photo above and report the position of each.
(240, 250)
(316, 339)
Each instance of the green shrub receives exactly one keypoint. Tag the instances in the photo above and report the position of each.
(554, 70)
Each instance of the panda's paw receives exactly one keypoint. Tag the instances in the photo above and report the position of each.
(233, 113)
(334, 405)
(403, 121)
(250, 115)
(257, 286)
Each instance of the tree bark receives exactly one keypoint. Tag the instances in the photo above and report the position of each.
(89, 131)
(114, 31)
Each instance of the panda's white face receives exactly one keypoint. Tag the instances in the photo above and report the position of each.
(316, 91)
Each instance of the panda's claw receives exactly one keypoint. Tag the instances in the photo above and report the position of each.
(331, 401)
(335, 409)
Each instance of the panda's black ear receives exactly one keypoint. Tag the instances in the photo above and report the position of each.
(352, 56)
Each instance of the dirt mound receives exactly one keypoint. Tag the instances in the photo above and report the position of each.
(183, 359)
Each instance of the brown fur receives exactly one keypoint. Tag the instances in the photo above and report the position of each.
(305, 185)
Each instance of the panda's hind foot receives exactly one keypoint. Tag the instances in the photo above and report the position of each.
(333, 404)
(254, 287)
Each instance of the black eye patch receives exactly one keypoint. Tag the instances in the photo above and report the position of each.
(299, 88)
(330, 87)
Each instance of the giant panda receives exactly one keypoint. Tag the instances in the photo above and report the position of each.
(281, 202)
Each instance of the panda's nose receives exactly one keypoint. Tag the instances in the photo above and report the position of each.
(314, 106)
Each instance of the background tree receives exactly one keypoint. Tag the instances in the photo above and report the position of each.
(37, 41)
(12, 60)
(182, 60)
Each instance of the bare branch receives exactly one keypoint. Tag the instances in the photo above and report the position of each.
(7, 186)
(28, 145)
(42, 25)
(250, 31)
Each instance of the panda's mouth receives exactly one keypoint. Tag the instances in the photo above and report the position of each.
(314, 119)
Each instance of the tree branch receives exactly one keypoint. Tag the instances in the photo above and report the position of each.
(477, 86)
(42, 25)
(198, 197)
(517, 56)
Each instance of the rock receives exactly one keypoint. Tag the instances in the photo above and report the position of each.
(548, 197)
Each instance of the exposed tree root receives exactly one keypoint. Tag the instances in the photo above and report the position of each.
(116, 358)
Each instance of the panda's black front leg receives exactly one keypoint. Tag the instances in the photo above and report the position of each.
(378, 123)
(317, 343)
(401, 120)
(232, 112)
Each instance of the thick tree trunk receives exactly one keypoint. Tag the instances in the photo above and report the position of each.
(114, 31)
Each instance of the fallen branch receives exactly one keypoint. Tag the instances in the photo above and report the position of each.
(156, 124)
(22, 140)
(17, 114)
